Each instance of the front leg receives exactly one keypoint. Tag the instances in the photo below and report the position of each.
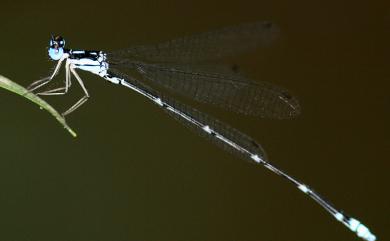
(61, 90)
(39, 83)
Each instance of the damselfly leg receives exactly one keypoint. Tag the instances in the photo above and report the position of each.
(61, 90)
(69, 71)
(39, 83)
(83, 99)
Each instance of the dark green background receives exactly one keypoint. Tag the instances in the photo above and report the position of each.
(135, 174)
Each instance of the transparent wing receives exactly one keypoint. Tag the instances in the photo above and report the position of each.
(244, 143)
(206, 46)
(226, 90)
(196, 120)
(176, 67)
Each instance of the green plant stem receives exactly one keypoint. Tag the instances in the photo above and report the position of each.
(20, 90)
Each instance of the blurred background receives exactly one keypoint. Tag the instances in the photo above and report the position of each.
(133, 173)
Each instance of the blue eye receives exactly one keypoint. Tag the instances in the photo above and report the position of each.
(56, 54)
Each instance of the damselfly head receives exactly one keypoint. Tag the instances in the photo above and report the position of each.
(56, 49)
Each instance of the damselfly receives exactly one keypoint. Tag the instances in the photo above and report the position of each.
(184, 66)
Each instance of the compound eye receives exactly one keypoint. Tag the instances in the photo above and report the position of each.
(60, 41)
(56, 53)
(57, 42)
